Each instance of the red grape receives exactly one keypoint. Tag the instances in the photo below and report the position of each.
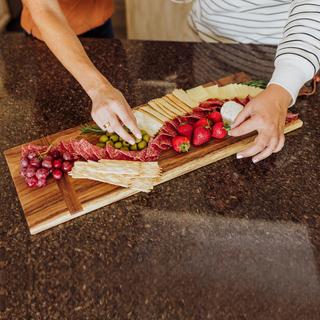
(23, 172)
(24, 162)
(31, 181)
(57, 163)
(42, 173)
(67, 156)
(35, 162)
(30, 172)
(57, 174)
(31, 155)
(67, 166)
(50, 158)
(55, 154)
(47, 163)
(41, 182)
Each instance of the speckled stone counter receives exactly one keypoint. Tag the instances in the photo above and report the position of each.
(233, 240)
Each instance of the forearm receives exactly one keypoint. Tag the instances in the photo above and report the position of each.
(298, 53)
(64, 44)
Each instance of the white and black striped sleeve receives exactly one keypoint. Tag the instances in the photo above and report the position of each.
(298, 54)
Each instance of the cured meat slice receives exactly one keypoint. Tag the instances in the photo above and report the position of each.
(25, 150)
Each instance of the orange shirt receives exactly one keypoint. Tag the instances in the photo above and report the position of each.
(82, 15)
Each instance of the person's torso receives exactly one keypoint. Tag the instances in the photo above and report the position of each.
(254, 21)
(82, 15)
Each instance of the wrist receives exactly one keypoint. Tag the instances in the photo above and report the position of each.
(97, 84)
(281, 96)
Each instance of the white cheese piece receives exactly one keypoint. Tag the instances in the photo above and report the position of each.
(229, 111)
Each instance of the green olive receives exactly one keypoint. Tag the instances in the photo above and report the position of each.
(103, 139)
(133, 147)
(110, 143)
(114, 137)
(138, 140)
(146, 137)
(125, 144)
(120, 139)
(118, 145)
(101, 144)
(142, 145)
(125, 148)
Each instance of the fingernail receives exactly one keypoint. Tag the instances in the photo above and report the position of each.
(255, 160)
(131, 141)
(239, 156)
(138, 135)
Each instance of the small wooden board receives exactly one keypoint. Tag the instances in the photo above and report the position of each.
(69, 198)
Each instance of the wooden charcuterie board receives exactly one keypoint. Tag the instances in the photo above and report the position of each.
(69, 198)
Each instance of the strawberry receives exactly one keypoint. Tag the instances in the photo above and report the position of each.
(181, 144)
(201, 135)
(219, 131)
(185, 130)
(215, 116)
(203, 122)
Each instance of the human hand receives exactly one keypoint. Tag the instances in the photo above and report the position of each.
(266, 114)
(109, 109)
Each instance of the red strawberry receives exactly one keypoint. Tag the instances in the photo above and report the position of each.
(203, 122)
(185, 130)
(219, 124)
(215, 116)
(219, 131)
(201, 135)
(181, 144)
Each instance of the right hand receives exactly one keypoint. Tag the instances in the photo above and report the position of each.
(110, 109)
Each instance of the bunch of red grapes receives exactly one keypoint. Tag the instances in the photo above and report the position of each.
(36, 170)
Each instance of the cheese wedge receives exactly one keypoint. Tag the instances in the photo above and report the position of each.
(184, 97)
(198, 94)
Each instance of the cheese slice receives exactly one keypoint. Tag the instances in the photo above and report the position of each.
(160, 109)
(155, 113)
(253, 91)
(212, 91)
(198, 94)
(147, 122)
(167, 106)
(170, 98)
(184, 97)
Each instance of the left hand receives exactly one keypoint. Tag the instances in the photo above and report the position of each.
(266, 114)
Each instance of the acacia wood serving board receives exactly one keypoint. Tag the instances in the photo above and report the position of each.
(69, 198)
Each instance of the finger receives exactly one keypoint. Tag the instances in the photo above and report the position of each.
(101, 117)
(129, 120)
(258, 145)
(117, 128)
(246, 127)
(242, 116)
(280, 144)
(267, 151)
(108, 128)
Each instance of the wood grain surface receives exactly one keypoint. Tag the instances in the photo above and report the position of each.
(69, 198)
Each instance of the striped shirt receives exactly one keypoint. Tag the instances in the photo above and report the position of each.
(293, 25)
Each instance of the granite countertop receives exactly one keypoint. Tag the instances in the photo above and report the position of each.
(232, 240)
